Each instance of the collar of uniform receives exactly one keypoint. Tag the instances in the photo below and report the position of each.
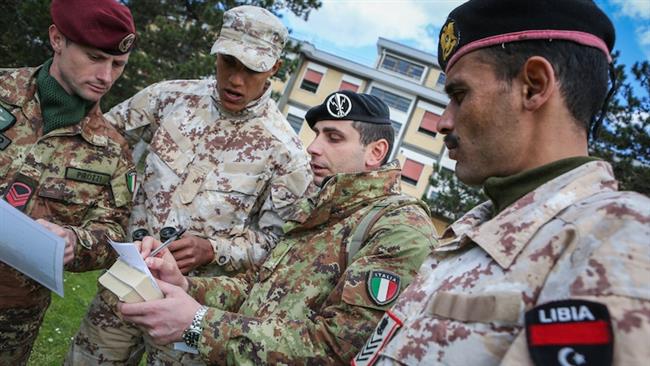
(19, 86)
(455, 235)
(252, 109)
(507, 234)
(90, 128)
(344, 192)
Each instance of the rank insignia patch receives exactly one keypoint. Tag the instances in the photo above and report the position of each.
(570, 332)
(383, 287)
(20, 192)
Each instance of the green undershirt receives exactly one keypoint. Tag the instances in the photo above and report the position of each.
(59, 108)
(504, 191)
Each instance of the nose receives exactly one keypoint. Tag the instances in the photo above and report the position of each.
(237, 78)
(314, 149)
(104, 73)
(446, 122)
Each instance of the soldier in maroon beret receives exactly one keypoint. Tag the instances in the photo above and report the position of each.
(61, 162)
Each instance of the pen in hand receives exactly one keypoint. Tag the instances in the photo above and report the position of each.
(173, 238)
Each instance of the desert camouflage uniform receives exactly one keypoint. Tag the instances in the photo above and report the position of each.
(229, 178)
(92, 211)
(305, 306)
(575, 237)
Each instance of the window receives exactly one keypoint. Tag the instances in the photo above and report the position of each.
(411, 171)
(429, 124)
(295, 122)
(398, 102)
(440, 84)
(348, 86)
(311, 80)
(403, 67)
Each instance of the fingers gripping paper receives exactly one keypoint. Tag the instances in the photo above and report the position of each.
(129, 278)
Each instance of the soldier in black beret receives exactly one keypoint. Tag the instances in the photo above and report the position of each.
(551, 269)
(345, 119)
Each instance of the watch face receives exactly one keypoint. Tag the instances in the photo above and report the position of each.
(191, 337)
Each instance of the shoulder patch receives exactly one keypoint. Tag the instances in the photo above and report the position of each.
(132, 181)
(570, 332)
(383, 333)
(20, 192)
(7, 119)
(383, 286)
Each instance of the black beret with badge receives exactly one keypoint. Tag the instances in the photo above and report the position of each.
(483, 23)
(346, 105)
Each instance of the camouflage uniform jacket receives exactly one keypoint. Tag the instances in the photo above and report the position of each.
(52, 164)
(305, 305)
(575, 237)
(230, 178)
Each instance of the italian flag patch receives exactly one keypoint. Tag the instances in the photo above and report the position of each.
(132, 182)
(383, 286)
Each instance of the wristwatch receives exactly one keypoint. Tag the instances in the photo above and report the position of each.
(192, 334)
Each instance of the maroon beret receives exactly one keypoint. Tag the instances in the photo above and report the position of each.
(103, 24)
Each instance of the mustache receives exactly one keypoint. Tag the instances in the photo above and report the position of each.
(452, 141)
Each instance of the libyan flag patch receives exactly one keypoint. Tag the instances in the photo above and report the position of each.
(383, 286)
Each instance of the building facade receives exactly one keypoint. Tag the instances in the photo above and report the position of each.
(408, 80)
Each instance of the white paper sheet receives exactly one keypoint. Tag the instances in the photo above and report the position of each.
(130, 255)
(30, 248)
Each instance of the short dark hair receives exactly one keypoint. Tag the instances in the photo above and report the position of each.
(371, 132)
(581, 71)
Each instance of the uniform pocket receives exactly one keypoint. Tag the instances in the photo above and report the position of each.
(228, 199)
(67, 200)
(172, 147)
(503, 308)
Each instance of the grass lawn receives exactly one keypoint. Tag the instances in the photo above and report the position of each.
(63, 318)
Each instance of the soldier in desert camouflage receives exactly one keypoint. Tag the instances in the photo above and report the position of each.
(554, 268)
(316, 298)
(61, 162)
(222, 162)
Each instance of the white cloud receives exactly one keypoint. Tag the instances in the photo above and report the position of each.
(634, 8)
(643, 34)
(358, 23)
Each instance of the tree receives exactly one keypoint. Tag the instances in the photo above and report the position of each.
(174, 38)
(452, 198)
(624, 139)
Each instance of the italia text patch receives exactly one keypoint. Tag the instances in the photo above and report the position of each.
(570, 332)
(383, 286)
(87, 176)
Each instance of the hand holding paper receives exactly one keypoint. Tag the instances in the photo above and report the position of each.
(68, 235)
(163, 266)
(165, 319)
(129, 278)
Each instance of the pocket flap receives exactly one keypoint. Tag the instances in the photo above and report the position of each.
(498, 307)
(66, 190)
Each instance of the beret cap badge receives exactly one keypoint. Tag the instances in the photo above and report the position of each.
(126, 43)
(339, 105)
(448, 39)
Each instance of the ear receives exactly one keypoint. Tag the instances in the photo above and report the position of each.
(376, 151)
(57, 40)
(276, 67)
(539, 82)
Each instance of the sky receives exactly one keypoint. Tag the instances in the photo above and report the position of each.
(350, 28)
